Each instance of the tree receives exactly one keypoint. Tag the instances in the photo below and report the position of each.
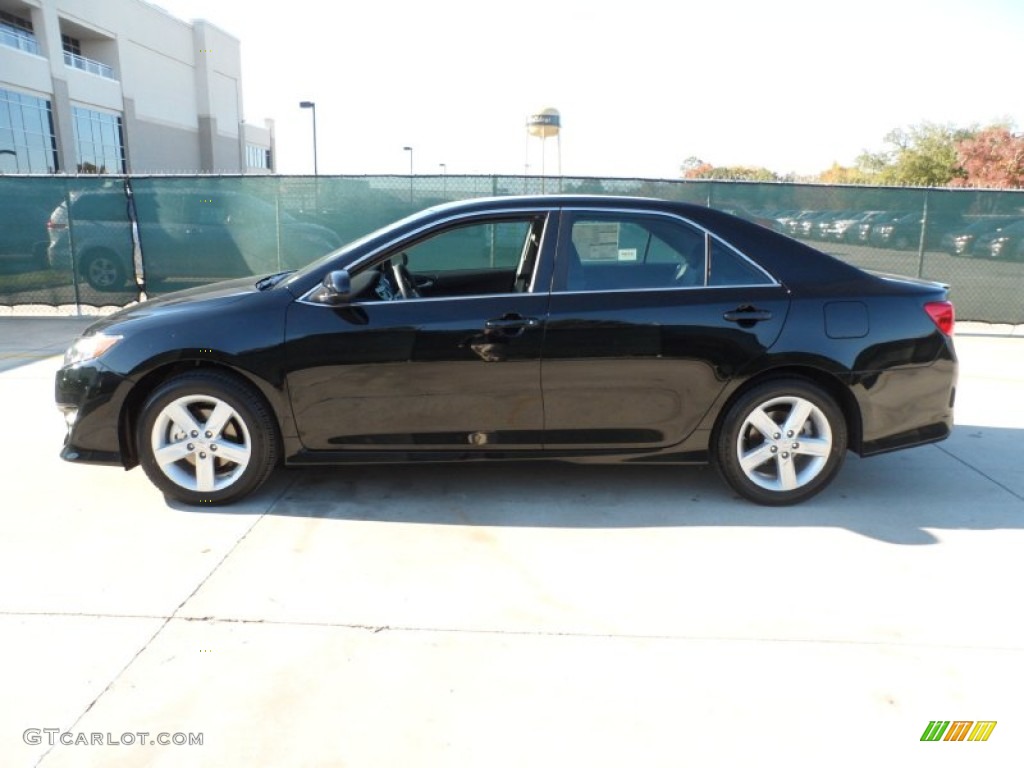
(840, 174)
(922, 155)
(694, 168)
(692, 163)
(993, 157)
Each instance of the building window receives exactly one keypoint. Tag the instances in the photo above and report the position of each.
(258, 157)
(15, 21)
(27, 140)
(71, 44)
(73, 58)
(99, 140)
(16, 32)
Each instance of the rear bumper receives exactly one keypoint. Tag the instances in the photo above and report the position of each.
(904, 407)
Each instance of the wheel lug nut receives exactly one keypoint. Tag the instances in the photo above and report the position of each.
(774, 449)
(784, 455)
(202, 454)
(195, 433)
(789, 433)
(213, 447)
(191, 446)
(776, 436)
(795, 446)
(209, 433)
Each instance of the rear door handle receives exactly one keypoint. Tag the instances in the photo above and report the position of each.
(747, 315)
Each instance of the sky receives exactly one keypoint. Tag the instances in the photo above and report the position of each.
(791, 85)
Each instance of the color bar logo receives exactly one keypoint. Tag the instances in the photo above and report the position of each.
(958, 730)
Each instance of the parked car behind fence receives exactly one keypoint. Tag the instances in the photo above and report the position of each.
(191, 234)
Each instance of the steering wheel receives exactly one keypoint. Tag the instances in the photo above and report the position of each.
(406, 285)
(687, 275)
(682, 275)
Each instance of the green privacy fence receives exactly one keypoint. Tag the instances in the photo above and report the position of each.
(85, 242)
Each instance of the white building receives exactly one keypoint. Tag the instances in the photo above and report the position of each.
(121, 86)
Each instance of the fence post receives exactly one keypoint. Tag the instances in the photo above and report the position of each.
(277, 222)
(138, 262)
(71, 252)
(924, 237)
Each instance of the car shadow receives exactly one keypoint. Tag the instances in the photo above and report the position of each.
(907, 497)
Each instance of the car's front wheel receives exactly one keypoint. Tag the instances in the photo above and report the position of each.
(206, 437)
(781, 442)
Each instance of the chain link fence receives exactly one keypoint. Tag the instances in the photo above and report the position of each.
(84, 243)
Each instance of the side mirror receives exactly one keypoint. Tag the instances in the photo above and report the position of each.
(336, 288)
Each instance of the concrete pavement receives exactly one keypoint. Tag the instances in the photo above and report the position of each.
(542, 615)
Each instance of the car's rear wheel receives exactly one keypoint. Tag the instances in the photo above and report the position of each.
(206, 438)
(103, 271)
(781, 442)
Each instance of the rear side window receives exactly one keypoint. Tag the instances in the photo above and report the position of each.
(100, 206)
(631, 251)
(727, 267)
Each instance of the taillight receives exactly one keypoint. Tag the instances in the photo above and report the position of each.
(942, 314)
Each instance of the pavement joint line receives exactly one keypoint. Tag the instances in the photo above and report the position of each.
(375, 629)
(170, 618)
(970, 466)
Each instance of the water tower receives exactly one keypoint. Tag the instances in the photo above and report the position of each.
(545, 125)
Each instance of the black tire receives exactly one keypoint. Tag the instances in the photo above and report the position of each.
(799, 458)
(201, 466)
(103, 271)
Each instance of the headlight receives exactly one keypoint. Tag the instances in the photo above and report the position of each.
(89, 348)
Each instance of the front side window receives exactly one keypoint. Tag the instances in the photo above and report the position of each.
(485, 246)
(477, 259)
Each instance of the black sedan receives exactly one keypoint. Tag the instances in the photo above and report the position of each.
(587, 329)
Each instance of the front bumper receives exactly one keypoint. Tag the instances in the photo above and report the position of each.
(91, 397)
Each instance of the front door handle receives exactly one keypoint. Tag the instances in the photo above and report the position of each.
(511, 322)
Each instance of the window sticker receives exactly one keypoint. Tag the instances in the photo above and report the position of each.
(596, 240)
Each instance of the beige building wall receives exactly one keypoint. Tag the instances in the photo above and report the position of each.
(175, 85)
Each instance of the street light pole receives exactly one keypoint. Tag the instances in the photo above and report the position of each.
(312, 105)
(444, 179)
